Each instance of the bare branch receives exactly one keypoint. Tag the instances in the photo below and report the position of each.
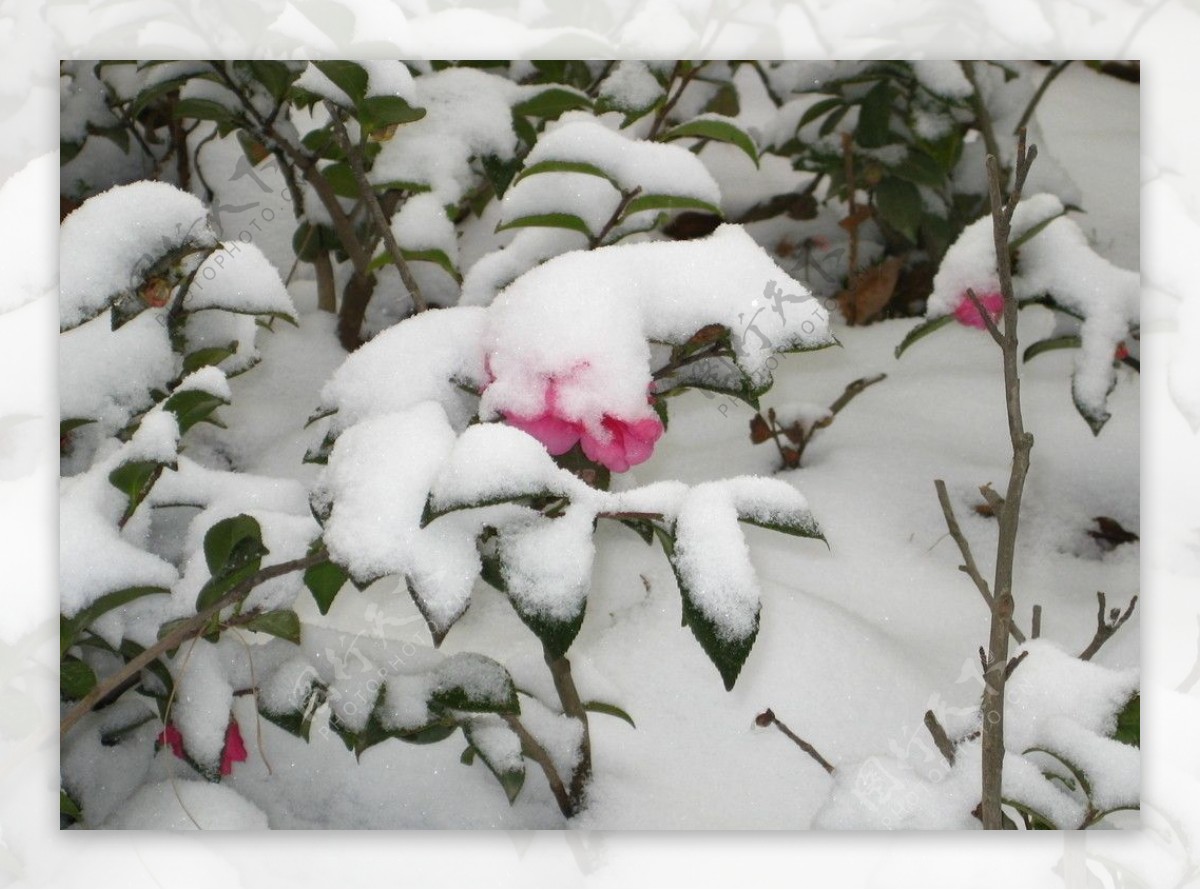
(533, 749)
(373, 207)
(968, 566)
(768, 718)
(1107, 624)
(940, 738)
(1036, 629)
(985, 316)
(190, 628)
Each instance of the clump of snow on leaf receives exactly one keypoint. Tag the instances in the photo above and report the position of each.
(1055, 260)
(119, 233)
(468, 115)
(420, 360)
(631, 87)
(237, 277)
(585, 320)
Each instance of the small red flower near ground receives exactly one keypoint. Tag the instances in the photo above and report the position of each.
(968, 313)
(233, 752)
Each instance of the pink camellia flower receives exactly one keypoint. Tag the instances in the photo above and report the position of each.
(233, 752)
(617, 443)
(968, 314)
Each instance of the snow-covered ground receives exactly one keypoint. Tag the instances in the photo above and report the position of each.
(857, 640)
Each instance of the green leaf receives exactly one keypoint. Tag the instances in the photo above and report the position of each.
(70, 628)
(1037, 821)
(193, 406)
(668, 202)
(134, 479)
(556, 634)
(226, 542)
(565, 167)
(718, 130)
(67, 806)
(552, 220)
(1070, 341)
(921, 169)
(324, 581)
(203, 109)
(511, 778)
(431, 255)
(350, 77)
(276, 77)
(380, 112)
(1033, 231)
(819, 108)
(74, 423)
(501, 173)
(282, 623)
(600, 707)
(552, 102)
(727, 654)
(233, 549)
(924, 329)
(874, 117)
(1095, 418)
(1079, 775)
(153, 93)
(323, 144)
(341, 179)
(472, 682)
(899, 204)
(801, 525)
(75, 679)
(832, 121)
(202, 358)
(1129, 722)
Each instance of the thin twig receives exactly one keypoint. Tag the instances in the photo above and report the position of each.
(986, 317)
(372, 201)
(969, 567)
(992, 497)
(1054, 71)
(626, 197)
(983, 118)
(535, 752)
(1035, 629)
(190, 628)
(768, 718)
(940, 738)
(1107, 624)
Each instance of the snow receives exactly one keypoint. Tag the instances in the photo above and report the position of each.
(421, 223)
(1057, 261)
(496, 270)
(112, 239)
(377, 479)
(655, 168)
(316, 81)
(584, 319)
(387, 77)
(408, 364)
(590, 198)
(493, 462)
(20, 280)
(480, 678)
(943, 78)
(208, 380)
(107, 375)
(202, 702)
(885, 613)
(188, 805)
(468, 115)
(547, 563)
(631, 87)
(237, 277)
(713, 561)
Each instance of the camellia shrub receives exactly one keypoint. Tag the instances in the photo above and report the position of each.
(514, 271)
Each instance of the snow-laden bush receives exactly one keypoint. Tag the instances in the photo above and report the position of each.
(528, 263)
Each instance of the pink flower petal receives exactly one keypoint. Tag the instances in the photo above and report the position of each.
(968, 314)
(235, 748)
(558, 435)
